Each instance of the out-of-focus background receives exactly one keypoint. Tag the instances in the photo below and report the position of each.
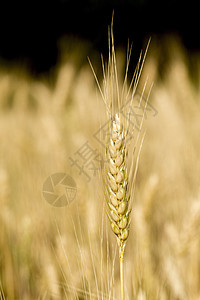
(55, 240)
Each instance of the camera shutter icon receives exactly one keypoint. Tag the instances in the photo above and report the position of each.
(59, 189)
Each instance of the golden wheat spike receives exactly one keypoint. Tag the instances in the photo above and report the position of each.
(118, 174)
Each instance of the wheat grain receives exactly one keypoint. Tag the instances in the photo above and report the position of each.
(117, 182)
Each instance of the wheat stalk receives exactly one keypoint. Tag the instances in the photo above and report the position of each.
(118, 175)
(116, 182)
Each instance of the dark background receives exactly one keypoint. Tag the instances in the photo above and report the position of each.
(29, 31)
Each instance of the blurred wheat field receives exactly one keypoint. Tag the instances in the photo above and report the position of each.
(69, 252)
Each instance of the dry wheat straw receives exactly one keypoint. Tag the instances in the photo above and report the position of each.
(118, 175)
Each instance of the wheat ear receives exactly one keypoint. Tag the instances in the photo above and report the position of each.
(118, 179)
(116, 182)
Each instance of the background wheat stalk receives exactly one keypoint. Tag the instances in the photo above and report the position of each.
(119, 171)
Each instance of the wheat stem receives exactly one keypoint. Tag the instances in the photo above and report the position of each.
(121, 258)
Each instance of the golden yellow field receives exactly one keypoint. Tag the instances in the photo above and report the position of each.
(69, 252)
